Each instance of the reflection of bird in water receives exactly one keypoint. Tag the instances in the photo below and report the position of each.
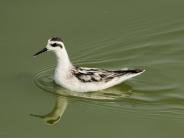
(63, 96)
(84, 79)
(55, 115)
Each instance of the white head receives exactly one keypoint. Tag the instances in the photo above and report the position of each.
(54, 44)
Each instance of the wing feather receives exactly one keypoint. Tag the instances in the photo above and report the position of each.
(100, 75)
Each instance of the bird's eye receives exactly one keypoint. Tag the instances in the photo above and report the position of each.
(54, 45)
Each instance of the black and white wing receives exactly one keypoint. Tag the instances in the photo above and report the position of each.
(100, 75)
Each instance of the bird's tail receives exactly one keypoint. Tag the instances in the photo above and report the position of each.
(130, 73)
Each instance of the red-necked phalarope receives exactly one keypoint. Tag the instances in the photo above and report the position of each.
(81, 79)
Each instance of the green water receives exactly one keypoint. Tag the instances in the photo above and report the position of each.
(104, 34)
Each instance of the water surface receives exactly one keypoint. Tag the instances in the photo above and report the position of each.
(113, 34)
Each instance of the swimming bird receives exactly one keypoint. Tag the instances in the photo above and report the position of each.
(83, 79)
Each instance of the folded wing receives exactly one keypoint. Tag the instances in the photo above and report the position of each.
(101, 75)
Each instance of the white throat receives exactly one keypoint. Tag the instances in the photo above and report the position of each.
(63, 68)
(63, 61)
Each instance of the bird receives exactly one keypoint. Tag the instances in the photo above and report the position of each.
(83, 79)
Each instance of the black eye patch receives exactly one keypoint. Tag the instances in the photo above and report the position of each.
(56, 44)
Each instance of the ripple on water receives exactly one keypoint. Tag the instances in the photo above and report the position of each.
(122, 97)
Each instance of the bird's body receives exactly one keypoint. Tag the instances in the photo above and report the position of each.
(91, 79)
(82, 79)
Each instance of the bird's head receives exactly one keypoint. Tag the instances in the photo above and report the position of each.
(54, 44)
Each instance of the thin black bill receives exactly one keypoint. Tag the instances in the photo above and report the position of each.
(43, 50)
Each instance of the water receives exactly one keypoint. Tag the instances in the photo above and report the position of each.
(102, 34)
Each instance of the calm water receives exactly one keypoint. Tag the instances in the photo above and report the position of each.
(102, 34)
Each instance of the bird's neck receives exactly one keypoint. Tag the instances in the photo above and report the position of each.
(63, 61)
